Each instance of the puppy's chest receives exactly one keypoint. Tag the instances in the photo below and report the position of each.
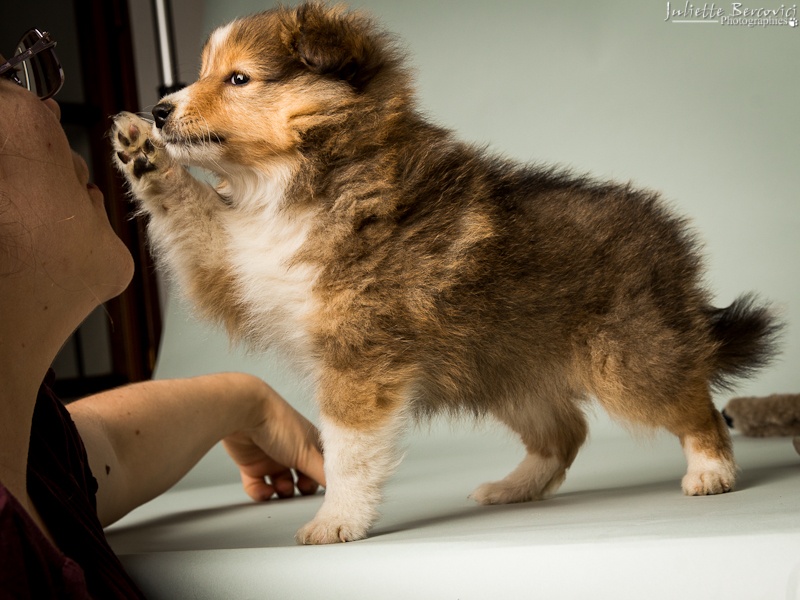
(274, 286)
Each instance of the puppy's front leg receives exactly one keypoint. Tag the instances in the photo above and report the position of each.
(184, 215)
(358, 459)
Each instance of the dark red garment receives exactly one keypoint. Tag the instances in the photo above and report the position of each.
(63, 489)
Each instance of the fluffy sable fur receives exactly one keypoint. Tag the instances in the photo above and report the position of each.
(413, 274)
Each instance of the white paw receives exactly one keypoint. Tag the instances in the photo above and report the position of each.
(535, 478)
(707, 474)
(324, 531)
(498, 492)
(705, 483)
(135, 150)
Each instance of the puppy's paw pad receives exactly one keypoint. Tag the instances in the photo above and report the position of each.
(134, 148)
(320, 531)
(706, 483)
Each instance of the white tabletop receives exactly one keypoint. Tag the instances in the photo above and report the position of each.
(619, 527)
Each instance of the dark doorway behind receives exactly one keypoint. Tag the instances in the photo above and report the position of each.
(118, 343)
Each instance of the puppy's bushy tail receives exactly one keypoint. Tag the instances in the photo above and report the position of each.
(748, 336)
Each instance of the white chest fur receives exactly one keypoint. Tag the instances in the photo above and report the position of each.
(263, 240)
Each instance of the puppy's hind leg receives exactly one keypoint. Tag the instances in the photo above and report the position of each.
(683, 407)
(552, 433)
(708, 450)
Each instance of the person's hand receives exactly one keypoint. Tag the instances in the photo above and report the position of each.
(281, 443)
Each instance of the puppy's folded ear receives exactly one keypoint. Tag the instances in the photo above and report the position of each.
(332, 42)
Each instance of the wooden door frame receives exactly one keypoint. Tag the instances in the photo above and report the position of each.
(109, 79)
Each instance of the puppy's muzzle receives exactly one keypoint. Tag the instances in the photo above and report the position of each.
(161, 113)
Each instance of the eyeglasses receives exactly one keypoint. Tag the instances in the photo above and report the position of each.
(35, 65)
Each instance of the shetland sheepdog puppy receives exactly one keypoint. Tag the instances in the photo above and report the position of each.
(413, 274)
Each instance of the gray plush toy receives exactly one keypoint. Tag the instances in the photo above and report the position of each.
(770, 416)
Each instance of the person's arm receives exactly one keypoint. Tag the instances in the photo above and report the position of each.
(142, 438)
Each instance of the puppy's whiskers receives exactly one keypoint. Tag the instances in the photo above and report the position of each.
(207, 141)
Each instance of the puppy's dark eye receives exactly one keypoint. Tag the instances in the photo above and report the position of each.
(239, 79)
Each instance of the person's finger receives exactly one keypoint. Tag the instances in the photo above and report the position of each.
(257, 488)
(306, 485)
(283, 483)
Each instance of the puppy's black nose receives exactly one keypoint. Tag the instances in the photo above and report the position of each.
(161, 113)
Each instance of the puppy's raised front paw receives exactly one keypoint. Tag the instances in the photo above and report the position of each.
(321, 531)
(137, 154)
